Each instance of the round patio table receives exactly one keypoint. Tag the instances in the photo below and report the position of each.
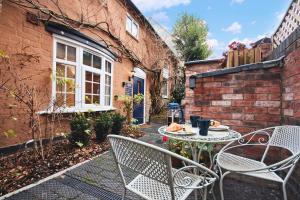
(198, 143)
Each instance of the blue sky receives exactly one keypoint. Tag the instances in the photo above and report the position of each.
(227, 20)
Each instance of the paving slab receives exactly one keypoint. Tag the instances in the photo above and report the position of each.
(99, 179)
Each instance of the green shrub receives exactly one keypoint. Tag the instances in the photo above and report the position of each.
(80, 130)
(178, 93)
(117, 123)
(102, 125)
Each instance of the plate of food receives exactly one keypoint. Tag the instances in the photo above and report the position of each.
(218, 128)
(178, 129)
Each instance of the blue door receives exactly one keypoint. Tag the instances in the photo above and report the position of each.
(138, 111)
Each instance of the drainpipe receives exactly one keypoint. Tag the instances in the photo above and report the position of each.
(281, 91)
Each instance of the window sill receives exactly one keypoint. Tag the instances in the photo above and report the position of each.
(75, 110)
(165, 97)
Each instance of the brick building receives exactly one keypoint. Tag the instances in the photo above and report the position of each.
(80, 69)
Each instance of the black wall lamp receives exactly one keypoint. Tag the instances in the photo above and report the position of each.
(192, 82)
(132, 72)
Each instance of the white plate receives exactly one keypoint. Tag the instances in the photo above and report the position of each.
(219, 128)
(183, 133)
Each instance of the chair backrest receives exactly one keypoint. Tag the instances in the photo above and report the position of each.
(143, 159)
(287, 137)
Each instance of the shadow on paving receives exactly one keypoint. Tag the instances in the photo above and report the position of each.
(99, 179)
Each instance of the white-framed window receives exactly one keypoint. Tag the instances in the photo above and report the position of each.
(82, 77)
(132, 26)
(165, 86)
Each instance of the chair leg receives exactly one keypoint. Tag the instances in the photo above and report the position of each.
(221, 183)
(221, 188)
(284, 192)
(196, 194)
(124, 194)
(204, 197)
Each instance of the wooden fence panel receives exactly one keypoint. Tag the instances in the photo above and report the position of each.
(236, 58)
(246, 56)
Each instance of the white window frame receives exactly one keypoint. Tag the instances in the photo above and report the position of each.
(80, 105)
(132, 22)
(165, 73)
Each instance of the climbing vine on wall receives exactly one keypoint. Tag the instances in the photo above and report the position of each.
(151, 60)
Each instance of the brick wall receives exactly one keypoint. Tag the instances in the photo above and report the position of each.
(18, 35)
(291, 88)
(248, 99)
(192, 69)
(245, 101)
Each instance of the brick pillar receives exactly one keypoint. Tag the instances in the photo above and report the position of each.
(266, 50)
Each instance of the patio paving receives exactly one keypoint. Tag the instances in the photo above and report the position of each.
(99, 179)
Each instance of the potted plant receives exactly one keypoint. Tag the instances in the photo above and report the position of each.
(117, 123)
(80, 130)
(102, 125)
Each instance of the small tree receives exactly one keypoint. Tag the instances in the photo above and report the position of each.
(190, 35)
(178, 92)
(128, 105)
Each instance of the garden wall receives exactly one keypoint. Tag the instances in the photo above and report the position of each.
(248, 97)
(245, 97)
(291, 88)
(193, 68)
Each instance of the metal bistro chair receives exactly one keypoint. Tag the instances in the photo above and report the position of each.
(286, 137)
(154, 177)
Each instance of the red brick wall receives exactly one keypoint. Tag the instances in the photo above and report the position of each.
(19, 36)
(291, 88)
(248, 100)
(245, 101)
(188, 102)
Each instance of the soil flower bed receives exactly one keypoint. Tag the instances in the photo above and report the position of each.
(25, 167)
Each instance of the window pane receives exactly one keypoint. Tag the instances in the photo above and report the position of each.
(59, 99)
(128, 24)
(96, 78)
(88, 76)
(70, 85)
(88, 99)
(107, 100)
(166, 73)
(134, 30)
(107, 90)
(164, 88)
(71, 71)
(88, 87)
(96, 99)
(139, 86)
(60, 85)
(96, 88)
(87, 58)
(97, 62)
(70, 100)
(107, 67)
(60, 51)
(71, 54)
(107, 80)
(60, 70)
